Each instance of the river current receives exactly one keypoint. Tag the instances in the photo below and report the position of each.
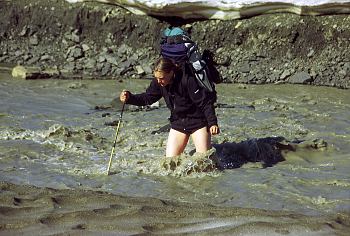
(58, 133)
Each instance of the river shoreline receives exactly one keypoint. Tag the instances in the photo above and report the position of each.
(98, 41)
(29, 210)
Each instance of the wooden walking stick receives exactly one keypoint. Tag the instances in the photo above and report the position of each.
(115, 139)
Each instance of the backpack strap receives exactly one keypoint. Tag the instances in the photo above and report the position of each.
(199, 68)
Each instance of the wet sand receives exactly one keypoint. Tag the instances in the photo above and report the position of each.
(29, 210)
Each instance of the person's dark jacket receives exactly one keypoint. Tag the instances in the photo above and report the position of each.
(184, 97)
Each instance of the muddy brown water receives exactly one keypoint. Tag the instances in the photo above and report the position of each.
(51, 135)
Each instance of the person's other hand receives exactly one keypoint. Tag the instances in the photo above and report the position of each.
(214, 130)
(124, 96)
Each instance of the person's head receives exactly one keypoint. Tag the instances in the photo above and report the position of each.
(164, 71)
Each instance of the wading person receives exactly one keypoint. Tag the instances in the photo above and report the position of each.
(191, 105)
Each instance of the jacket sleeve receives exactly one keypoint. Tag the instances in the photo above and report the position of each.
(152, 94)
(203, 99)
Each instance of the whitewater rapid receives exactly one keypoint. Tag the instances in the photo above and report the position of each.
(229, 9)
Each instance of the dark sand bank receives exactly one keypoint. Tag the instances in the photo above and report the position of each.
(29, 210)
(99, 40)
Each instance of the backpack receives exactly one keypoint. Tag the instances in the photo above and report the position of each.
(177, 45)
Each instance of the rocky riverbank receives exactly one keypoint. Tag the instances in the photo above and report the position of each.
(89, 40)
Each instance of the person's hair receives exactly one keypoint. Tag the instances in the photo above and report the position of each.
(165, 65)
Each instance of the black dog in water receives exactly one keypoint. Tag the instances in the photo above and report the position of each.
(268, 151)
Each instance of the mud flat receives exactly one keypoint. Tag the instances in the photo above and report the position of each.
(96, 40)
(31, 210)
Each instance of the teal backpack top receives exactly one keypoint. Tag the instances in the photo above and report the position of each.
(168, 32)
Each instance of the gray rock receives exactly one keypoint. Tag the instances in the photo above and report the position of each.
(114, 70)
(85, 47)
(274, 77)
(24, 31)
(3, 58)
(105, 50)
(33, 60)
(285, 74)
(139, 70)
(311, 53)
(64, 42)
(108, 41)
(26, 57)
(90, 63)
(112, 60)
(69, 68)
(101, 59)
(74, 52)
(106, 69)
(245, 68)
(252, 78)
(70, 59)
(147, 68)
(79, 66)
(313, 73)
(300, 78)
(133, 58)
(73, 36)
(99, 66)
(34, 40)
(260, 78)
(45, 57)
(117, 71)
(125, 64)
(122, 50)
(18, 53)
(343, 72)
(124, 67)
(77, 52)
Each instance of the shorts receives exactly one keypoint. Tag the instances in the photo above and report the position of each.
(188, 125)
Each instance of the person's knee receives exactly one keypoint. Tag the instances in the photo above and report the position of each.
(203, 148)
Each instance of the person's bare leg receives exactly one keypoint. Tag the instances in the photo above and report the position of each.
(202, 140)
(176, 143)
